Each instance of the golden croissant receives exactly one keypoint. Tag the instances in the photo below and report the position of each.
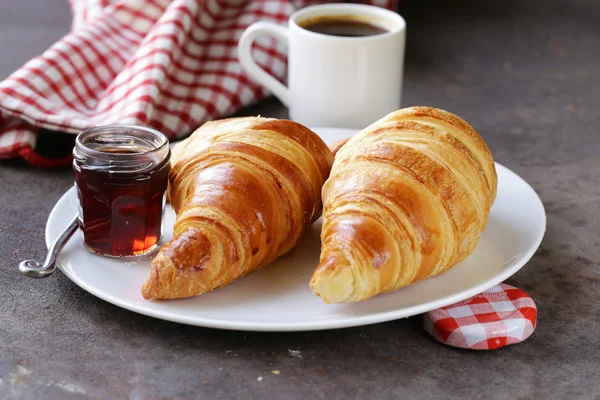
(407, 198)
(244, 190)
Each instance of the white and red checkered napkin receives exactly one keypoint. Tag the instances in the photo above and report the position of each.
(498, 317)
(167, 64)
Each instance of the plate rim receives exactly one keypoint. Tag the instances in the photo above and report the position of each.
(346, 322)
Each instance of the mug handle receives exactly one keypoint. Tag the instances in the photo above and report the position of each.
(254, 71)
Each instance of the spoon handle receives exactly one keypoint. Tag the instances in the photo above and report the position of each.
(32, 268)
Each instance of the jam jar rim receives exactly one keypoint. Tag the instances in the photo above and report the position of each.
(138, 161)
(122, 127)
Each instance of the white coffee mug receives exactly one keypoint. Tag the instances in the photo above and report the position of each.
(335, 81)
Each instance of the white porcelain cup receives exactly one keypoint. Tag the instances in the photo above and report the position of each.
(336, 81)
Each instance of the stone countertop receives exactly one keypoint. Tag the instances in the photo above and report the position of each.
(526, 75)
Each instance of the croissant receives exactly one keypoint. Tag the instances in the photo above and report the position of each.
(407, 198)
(244, 191)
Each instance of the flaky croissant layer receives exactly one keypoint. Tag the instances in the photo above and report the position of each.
(407, 199)
(244, 190)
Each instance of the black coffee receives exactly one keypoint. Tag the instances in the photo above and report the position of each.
(342, 26)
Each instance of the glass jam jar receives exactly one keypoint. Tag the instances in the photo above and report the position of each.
(121, 175)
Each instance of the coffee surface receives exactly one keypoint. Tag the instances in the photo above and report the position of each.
(342, 26)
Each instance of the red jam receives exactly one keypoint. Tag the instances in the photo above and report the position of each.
(121, 175)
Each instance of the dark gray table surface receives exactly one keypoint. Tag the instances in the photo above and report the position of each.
(526, 74)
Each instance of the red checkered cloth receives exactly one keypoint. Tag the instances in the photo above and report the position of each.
(167, 64)
(498, 317)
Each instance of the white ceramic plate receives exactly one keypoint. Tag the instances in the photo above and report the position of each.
(278, 298)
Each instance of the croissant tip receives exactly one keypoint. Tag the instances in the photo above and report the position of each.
(152, 289)
(334, 280)
(165, 283)
(148, 291)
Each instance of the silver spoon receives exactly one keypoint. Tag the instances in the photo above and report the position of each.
(32, 268)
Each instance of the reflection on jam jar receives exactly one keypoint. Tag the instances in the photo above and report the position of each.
(121, 175)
